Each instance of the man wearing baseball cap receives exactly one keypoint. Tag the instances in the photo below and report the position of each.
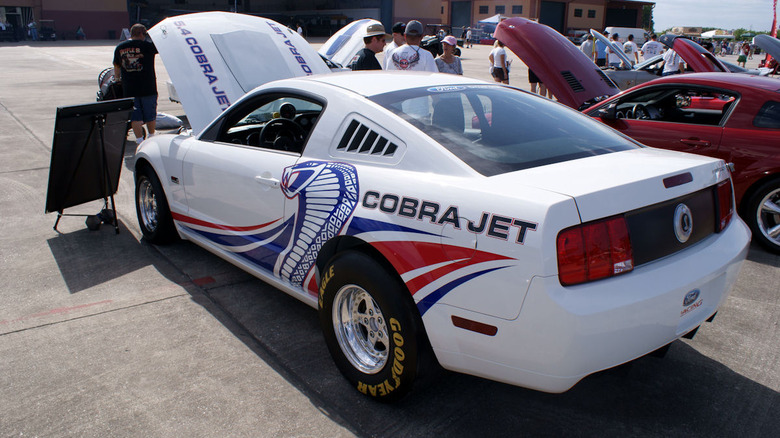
(398, 38)
(374, 40)
(410, 57)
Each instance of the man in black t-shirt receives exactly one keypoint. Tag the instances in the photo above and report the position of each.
(134, 67)
(374, 40)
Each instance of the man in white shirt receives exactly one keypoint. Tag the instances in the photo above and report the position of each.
(410, 56)
(613, 60)
(673, 64)
(587, 46)
(398, 41)
(630, 49)
(651, 48)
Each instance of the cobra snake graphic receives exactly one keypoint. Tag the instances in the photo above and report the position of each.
(327, 196)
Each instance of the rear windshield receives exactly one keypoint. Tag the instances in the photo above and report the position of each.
(497, 129)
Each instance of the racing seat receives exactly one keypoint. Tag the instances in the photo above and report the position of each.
(448, 115)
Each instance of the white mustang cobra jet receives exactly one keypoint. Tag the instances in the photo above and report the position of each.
(434, 219)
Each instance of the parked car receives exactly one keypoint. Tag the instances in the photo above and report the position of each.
(627, 75)
(535, 249)
(724, 115)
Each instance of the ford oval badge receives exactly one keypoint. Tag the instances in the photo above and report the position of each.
(691, 297)
(683, 223)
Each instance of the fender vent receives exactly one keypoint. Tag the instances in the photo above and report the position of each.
(359, 139)
(606, 78)
(575, 85)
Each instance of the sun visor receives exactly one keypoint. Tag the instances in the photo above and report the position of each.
(571, 76)
(214, 58)
(344, 44)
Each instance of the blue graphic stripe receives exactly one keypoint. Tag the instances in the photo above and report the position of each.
(343, 38)
(363, 225)
(428, 302)
(240, 239)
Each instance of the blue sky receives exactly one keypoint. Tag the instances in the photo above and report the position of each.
(722, 14)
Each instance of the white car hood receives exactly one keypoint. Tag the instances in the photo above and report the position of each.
(344, 44)
(214, 58)
(769, 44)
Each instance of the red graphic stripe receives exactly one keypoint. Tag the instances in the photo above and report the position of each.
(408, 256)
(182, 218)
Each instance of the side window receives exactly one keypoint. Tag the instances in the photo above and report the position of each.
(768, 116)
(277, 122)
(678, 105)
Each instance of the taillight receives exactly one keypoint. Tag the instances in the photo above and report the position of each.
(594, 250)
(725, 207)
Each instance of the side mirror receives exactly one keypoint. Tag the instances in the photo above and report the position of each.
(608, 112)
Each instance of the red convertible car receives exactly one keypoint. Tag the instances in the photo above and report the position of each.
(730, 116)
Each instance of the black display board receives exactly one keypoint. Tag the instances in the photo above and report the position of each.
(87, 153)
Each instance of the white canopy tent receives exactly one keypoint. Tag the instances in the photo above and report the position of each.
(717, 34)
(493, 20)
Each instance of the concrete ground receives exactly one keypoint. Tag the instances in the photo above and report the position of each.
(106, 335)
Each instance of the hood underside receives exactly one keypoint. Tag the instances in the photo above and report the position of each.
(214, 58)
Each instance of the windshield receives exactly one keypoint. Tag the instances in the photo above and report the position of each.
(496, 129)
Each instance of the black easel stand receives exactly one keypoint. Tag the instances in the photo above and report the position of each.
(106, 215)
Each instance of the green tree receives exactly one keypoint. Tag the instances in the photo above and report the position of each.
(647, 18)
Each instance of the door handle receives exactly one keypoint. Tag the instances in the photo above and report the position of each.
(267, 181)
(695, 142)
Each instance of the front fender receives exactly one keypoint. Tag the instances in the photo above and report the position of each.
(165, 155)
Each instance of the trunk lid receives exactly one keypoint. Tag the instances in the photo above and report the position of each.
(214, 58)
(619, 182)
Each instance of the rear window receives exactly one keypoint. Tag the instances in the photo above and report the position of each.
(497, 129)
(768, 116)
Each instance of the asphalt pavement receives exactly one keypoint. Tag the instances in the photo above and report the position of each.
(103, 334)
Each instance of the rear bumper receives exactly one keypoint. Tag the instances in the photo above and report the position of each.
(565, 333)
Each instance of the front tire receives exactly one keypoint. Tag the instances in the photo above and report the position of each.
(151, 206)
(371, 326)
(763, 215)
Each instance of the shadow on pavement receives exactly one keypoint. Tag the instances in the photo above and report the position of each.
(686, 393)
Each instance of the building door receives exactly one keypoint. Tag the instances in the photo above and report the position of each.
(460, 16)
(553, 14)
(622, 17)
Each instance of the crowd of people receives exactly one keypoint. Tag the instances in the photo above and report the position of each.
(404, 51)
(606, 56)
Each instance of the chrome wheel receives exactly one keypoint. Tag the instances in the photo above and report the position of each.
(360, 328)
(768, 216)
(147, 205)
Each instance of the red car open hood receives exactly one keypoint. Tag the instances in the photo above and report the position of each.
(571, 76)
(699, 59)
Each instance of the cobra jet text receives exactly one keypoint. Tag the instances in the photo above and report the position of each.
(493, 225)
(204, 64)
(301, 60)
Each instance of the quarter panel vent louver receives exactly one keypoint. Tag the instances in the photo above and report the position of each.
(574, 84)
(361, 140)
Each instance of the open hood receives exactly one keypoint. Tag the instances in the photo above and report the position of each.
(571, 76)
(344, 44)
(769, 44)
(699, 59)
(214, 58)
(618, 48)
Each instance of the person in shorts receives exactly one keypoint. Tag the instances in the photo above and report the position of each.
(134, 68)
(499, 68)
